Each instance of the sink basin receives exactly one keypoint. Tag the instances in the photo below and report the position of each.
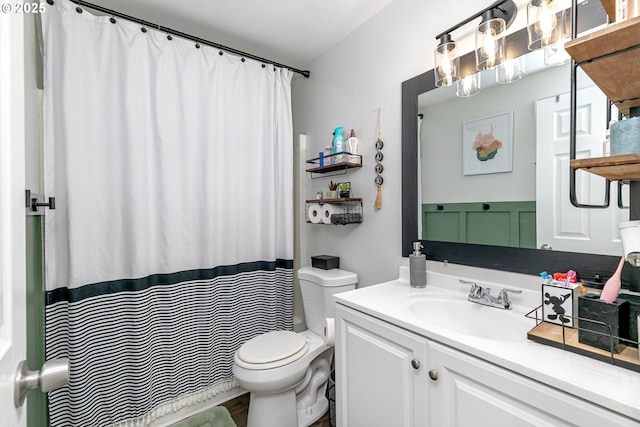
(465, 317)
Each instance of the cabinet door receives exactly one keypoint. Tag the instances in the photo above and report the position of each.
(381, 376)
(469, 392)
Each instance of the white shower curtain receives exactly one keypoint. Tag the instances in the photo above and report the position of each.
(172, 240)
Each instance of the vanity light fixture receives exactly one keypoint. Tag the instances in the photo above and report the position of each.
(490, 42)
(547, 22)
(510, 70)
(468, 86)
(447, 61)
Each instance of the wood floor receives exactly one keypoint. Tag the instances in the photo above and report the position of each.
(239, 408)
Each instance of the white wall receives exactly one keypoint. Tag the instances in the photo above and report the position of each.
(348, 84)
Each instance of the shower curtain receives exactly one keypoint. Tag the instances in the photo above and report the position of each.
(172, 242)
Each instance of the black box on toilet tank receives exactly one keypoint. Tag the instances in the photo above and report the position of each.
(325, 262)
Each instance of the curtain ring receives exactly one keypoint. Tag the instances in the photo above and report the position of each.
(112, 20)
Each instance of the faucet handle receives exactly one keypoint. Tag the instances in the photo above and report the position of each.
(503, 296)
(475, 290)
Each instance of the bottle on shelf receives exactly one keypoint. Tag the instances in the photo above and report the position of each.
(338, 145)
(353, 147)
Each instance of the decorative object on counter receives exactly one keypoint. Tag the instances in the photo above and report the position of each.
(378, 180)
(353, 148)
(319, 195)
(602, 324)
(630, 236)
(417, 267)
(314, 213)
(332, 193)
(560, 302)
(344, 189)
(325, 262)
(329, 210)
(625, 136)
(338, 145)
(612, 285)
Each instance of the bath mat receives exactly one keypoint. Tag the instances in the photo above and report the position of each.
(217, 416)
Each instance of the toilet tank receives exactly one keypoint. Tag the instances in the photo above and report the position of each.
(317, 287)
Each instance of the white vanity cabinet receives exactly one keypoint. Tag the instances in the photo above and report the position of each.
(380, 373)
(470, 392)
(387, 376)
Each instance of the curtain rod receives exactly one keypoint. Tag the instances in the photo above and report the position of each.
(305, 73)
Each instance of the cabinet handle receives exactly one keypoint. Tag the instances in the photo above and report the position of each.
(433, 374)
(415, 363)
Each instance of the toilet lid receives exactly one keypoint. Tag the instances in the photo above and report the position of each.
(271, 350)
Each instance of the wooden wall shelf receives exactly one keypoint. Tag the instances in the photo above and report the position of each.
(611, 58)
(615, 168)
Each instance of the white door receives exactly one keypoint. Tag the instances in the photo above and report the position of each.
(12, 215)
(559, 224)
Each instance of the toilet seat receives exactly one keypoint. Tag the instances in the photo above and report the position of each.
(271, 350)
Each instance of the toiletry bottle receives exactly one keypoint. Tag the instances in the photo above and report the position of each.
(338, 145)
(417, 267)
(353, 147)
(328, 151)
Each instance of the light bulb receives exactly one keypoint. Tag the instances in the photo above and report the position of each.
(546, 21)
(490, 43)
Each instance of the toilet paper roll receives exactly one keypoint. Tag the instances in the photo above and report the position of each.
(328, 332)
(329, 209)
(315, 213)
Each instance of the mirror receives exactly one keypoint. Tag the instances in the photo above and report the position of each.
(522, 260)
(484, 204)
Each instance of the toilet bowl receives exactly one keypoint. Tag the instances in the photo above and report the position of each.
(287, 372)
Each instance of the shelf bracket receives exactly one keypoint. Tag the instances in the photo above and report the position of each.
(573, 197)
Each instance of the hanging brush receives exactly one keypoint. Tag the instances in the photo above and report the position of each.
(378, 180)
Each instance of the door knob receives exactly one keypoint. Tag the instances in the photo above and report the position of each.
(53, 375)
(415, 363)
(433, 374)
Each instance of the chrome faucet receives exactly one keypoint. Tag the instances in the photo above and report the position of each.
(482, 295)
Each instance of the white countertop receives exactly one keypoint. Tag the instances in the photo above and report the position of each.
(609, 386)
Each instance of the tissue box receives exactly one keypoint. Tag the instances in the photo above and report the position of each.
(560, 303)
(601, 324)
(325, 262)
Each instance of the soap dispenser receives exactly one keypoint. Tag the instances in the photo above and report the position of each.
(417, 267)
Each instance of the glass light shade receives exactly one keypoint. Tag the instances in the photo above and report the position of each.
(547, 22)
(555, 54)
(490, 43)
(510, 70)
(468, 86)
(447, 64)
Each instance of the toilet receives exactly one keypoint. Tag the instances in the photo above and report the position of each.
(287, 372)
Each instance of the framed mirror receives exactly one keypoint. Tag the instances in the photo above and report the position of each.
(592, 267)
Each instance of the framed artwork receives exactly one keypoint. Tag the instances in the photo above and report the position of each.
(487, 145)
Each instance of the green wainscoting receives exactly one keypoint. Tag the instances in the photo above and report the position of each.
(36, 399)
(510, 224)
